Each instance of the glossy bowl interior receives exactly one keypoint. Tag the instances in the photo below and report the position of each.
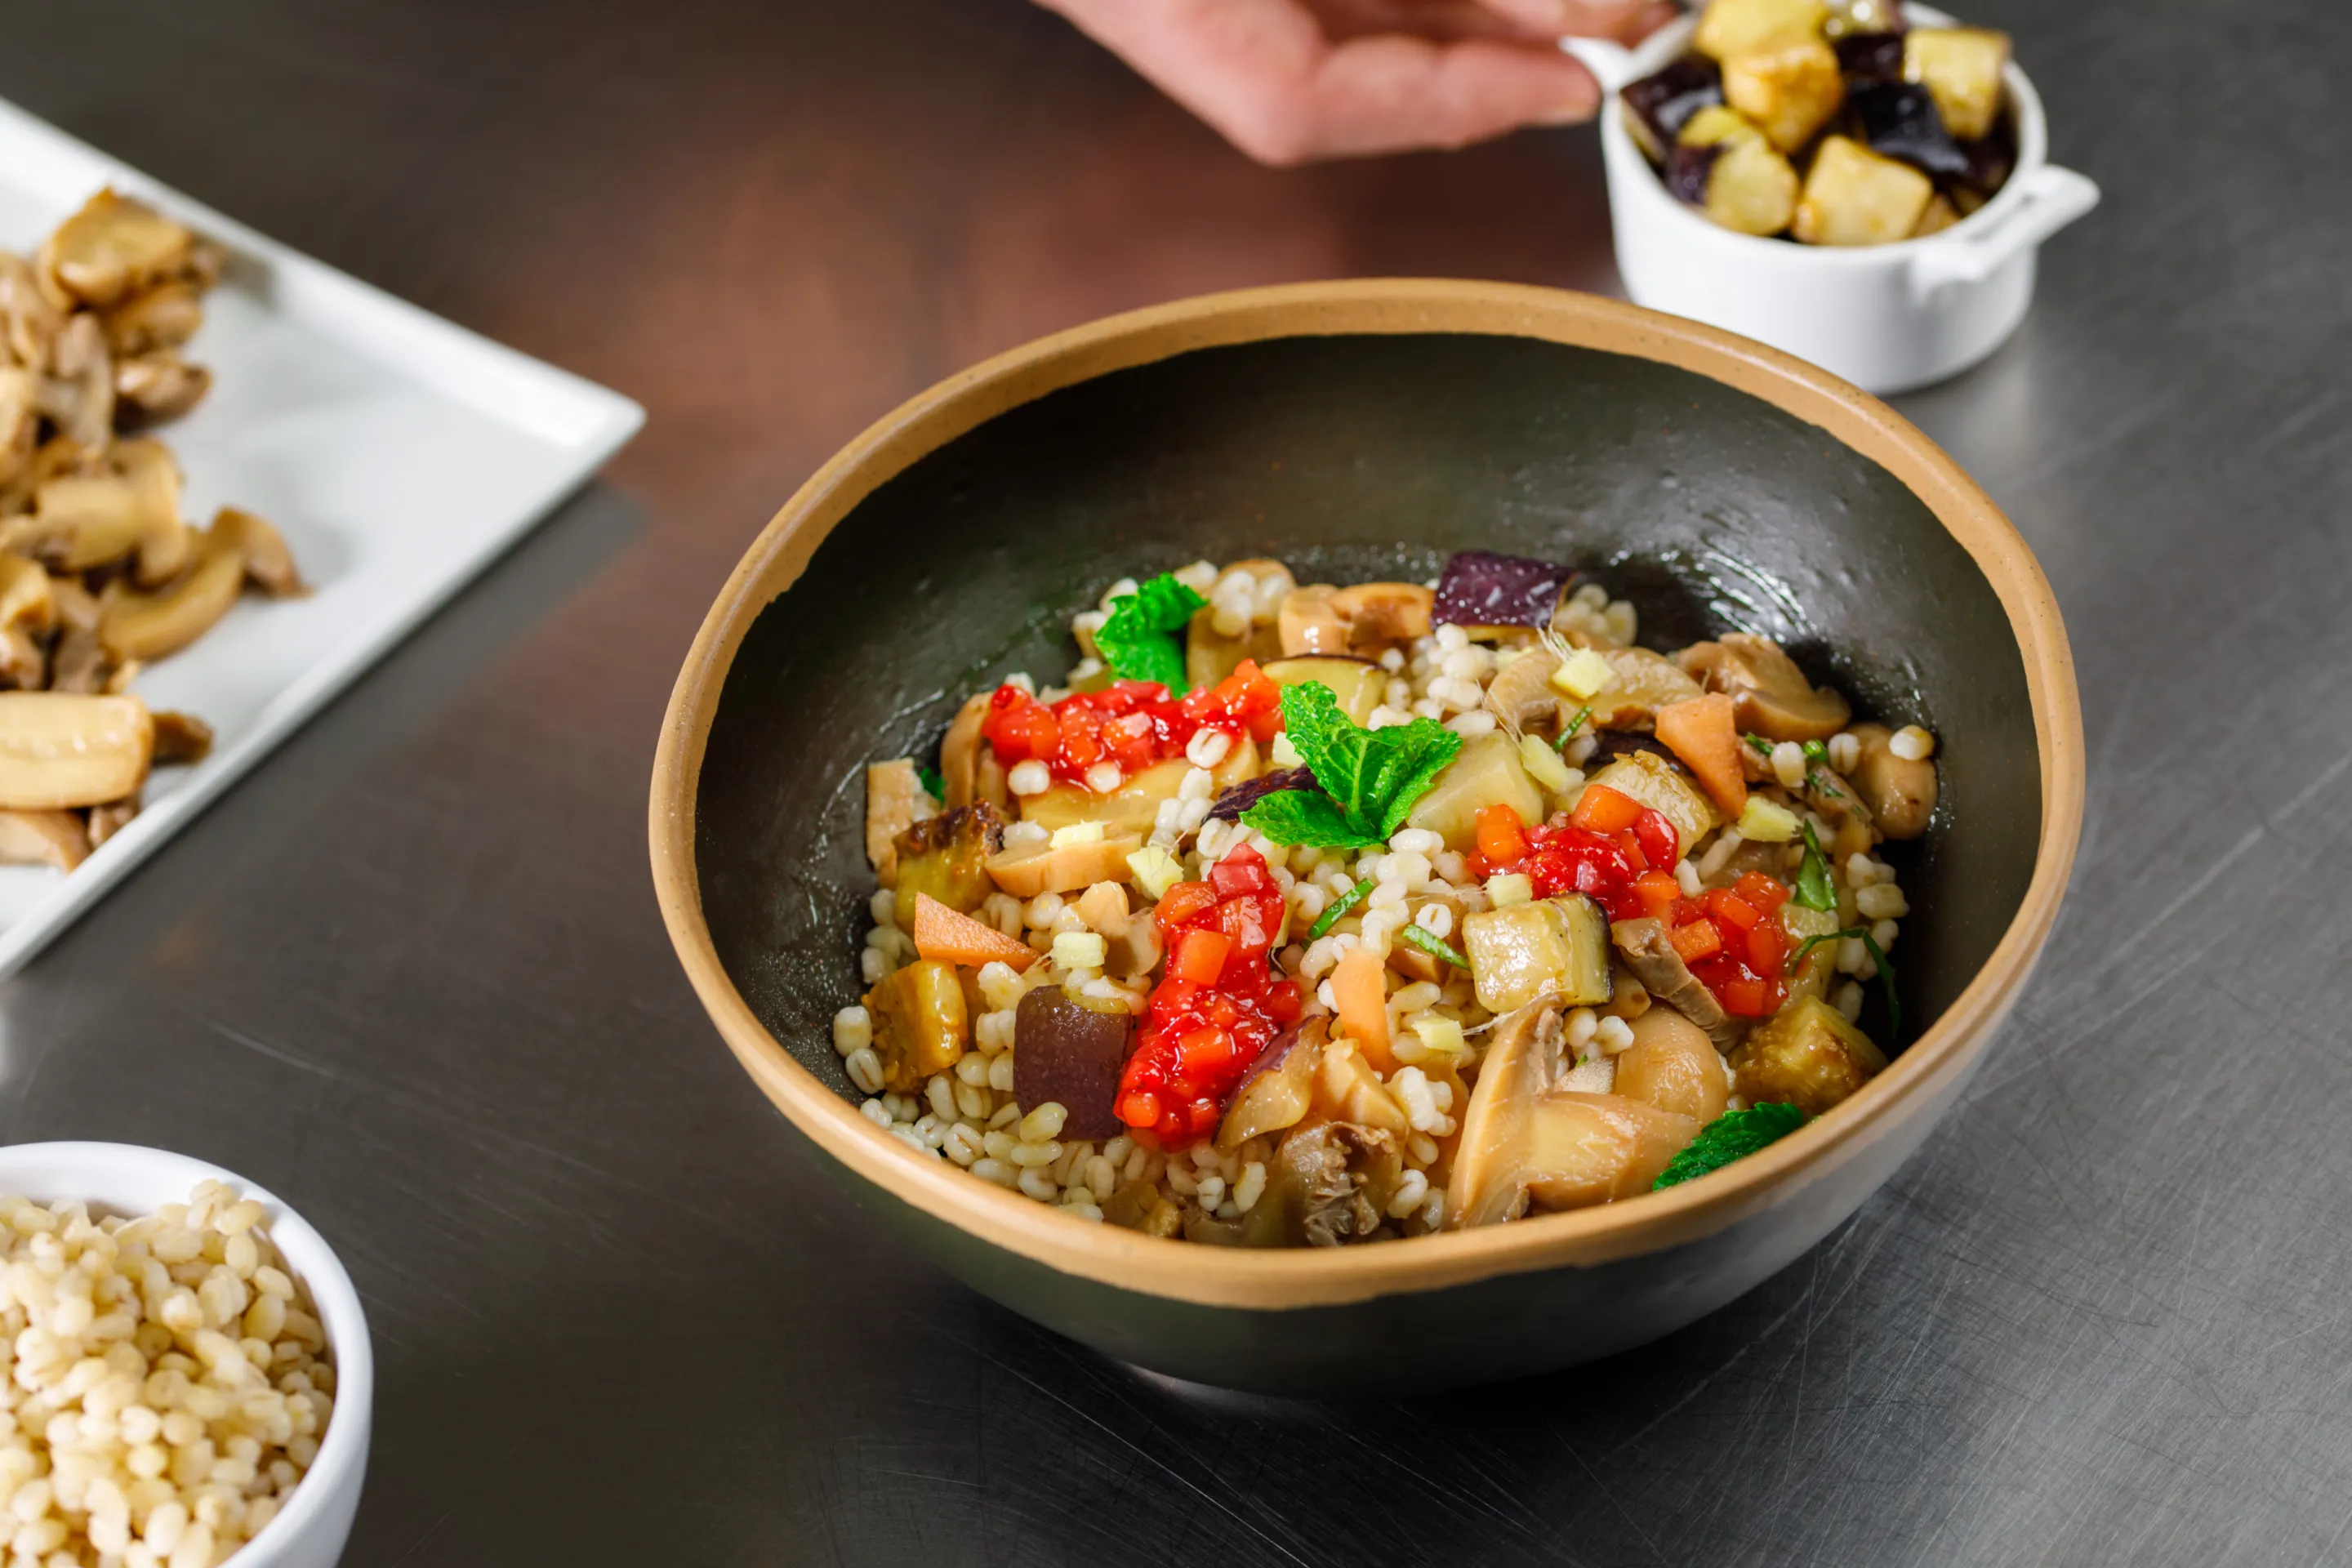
(1352, 430)
(127, 1179)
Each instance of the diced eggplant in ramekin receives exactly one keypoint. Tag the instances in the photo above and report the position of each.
(1724, 165)
(1853, 196)
(1962, 68)
(1790, 94)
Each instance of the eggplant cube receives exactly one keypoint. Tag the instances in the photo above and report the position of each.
(1963, 67)
(1723, 165)
(1900, 120)
(1658, 106)
(1789, 92)
(1730, 28)
(1853, 196)
(1870, 57)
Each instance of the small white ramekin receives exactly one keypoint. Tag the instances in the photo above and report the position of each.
(125, 1178)
(1888, 318)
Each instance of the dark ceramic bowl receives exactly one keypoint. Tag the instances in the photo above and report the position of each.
(1358, 430)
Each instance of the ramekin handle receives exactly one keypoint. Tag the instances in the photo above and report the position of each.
(1612, 65)
(2053, 198)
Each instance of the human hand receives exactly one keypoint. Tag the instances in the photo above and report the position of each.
(1288, 81)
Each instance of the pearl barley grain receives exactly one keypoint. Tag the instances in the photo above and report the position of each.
(146, 1427)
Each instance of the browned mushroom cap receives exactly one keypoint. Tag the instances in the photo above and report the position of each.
(1772, 696)
(43, 838)
(79, 394)
(163, 317)
(1362, 620)
(180, 738)
(1524, 1141)
(29, 321)
(268, 564)
(58, 750)
(140, 625)
(157, 386)
(1328, 1184)
(114, 247)
(132, 505)
(1900, 792)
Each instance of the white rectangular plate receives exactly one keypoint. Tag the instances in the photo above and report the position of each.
(397, 452)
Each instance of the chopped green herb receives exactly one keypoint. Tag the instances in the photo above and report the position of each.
(1762, 745)
(1338, 909)
(1573, 726)
(1436, 946)
(1877, 956)
(1370, 778)
(933, 784)
(1731, 1136)
(1814, 888)
(1815, 751)
(1143, 639)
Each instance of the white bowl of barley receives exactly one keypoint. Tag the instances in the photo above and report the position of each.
(73, 1443)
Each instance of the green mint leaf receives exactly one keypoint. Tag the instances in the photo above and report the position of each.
(1374, 775)
(1730, 1136)
(1304, 817)
(1143, 638)
(1814, 888)
(933, 784)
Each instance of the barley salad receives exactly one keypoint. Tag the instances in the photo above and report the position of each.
(1310, 915)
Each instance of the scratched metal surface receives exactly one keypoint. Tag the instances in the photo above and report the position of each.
(410, 975)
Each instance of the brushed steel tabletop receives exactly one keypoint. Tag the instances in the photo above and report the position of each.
(410, 975)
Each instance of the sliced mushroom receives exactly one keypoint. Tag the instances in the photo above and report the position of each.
(79, 394)
(1348, 1090)
(58, 752)
(1674, 1066)
(1644, 682)
(29, 321)
(207, 261)
(180, 738)
(1280, 1090)
(163, 317)
(57, 455)
(106, 821)
(137, 624)
(968, 765)
(1328, 1184)
(90, 520)
(79, 662)
(1774, 698)
(1028, 869)
(55, 838)
(20, 421)
(268, 564)
(158, 387)
(1527, 1143)
(1521, 696)
(1362, 620)
(112, 247)
(1899, 790)
(1650, 953)
(893, 797)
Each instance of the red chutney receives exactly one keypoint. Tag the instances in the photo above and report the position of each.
(1132, 724)
(1217, 1007)
(1621, 854)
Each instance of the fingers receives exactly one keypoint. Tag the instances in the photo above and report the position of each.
(1622, 20)
(1265, 75)
(1381, 95)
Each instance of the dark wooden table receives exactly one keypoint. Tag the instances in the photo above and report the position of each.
(410, 974)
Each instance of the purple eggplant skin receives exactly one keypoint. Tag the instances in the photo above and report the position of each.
(1480, 588)
(1687, 169)
(1991, 161)
(1249, 792)
(1070, 1055)
(1900, 120)
(1662, 102)
(1869, 56)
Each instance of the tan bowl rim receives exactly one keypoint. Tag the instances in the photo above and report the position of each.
(1223, 1277)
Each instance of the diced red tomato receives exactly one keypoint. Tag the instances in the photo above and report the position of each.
(1133, 724)
(1215, 1010)
(1658, 892)
(1727, 909)
(1768, 947)
(1502, 834)
(1761, 893)
(1601, 809)
(1698, 940)
(1746, 997)
(1657, 836)
(1200, 957)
